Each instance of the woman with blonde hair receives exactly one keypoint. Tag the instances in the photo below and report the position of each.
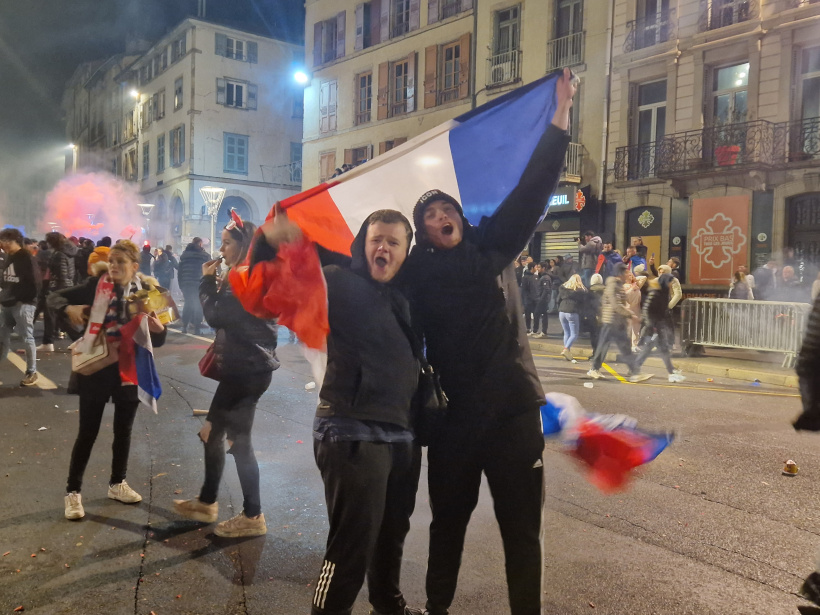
(571, 299)
(102, 300)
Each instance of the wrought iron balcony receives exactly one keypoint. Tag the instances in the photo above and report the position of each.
(504, 68)
(800, 139)
(573, 163)
(722, 13)
(653, 30)
(565, 51)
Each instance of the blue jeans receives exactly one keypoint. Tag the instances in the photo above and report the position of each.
(586, 276)
(20, 318)
(570, 323)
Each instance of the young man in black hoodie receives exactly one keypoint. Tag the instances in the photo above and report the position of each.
(19, 289)
(363, 439)
(465, 301)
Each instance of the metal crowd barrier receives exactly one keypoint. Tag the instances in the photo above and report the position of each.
(748, 325)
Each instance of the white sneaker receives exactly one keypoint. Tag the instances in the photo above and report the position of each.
(639, 377)
(677, 370)
(74, 506)
(538, 335)
(45, 348)
(123, 493)
(595, 374)
(676, 377)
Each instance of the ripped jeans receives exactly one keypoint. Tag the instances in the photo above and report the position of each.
(231, 414)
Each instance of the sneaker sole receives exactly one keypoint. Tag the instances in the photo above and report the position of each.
(195, 516)
(240, 533)
(28, 384)
(111, 497)
(74, 517)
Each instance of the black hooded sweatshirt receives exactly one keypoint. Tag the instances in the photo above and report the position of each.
(467, 304)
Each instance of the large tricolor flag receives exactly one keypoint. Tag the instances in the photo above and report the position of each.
(477, 158)
(137, 361)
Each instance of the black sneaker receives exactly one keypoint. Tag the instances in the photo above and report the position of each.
(810, 589)
(406, 611)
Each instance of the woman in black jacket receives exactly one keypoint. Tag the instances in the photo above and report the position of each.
(245, 355)
(79, 304)
(571, 297)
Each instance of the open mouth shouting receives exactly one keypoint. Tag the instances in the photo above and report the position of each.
(447, 229)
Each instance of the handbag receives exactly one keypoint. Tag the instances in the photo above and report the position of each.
(208, 365)
(101, 355)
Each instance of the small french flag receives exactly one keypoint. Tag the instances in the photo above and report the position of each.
(137, 361)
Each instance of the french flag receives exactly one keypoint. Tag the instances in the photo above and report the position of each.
(137, 361)
(477, 158)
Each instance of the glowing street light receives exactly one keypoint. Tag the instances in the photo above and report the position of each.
(213, 199)
(134, 94)
(301, 77)
(146, 208)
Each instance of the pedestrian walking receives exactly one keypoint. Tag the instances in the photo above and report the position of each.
(530, 293)
(19, 289)
(615, 315)
(164, 269)
(633, 291)
(244, 352)
(61, 275)
(541, 321)
(570, 306)
(103, 301)
(146, 259)
(657, 329)
(592, 309)
(190, 273)
(476, 341)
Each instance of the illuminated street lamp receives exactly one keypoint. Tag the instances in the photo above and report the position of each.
(213, 199)
(146, 211)
(301, 77)
(74, 156)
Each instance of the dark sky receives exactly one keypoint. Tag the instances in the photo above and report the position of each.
(43, 41)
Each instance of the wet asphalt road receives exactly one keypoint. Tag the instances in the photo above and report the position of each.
(710, 527)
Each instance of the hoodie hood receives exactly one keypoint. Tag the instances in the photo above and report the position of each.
(69, 249)
(358, 262)
(421, 205)
(193, 248)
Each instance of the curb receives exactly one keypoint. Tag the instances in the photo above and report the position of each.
(702, 366)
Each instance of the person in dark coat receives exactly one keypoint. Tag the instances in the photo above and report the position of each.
(530, 293)
(476, 341)
(571, 301)
(164, 269)
(61, 275)
(81, 260)
(539, 326)
(245, 355)
(657, 326)
(190, 273)
(146, 259)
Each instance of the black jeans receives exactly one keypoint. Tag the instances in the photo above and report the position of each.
(231, 414)
(370, 490)
(617, 334)
(529, 309)
(95, 391)
(541, 321)
(509, 454)
(665, 340)
(192, 308)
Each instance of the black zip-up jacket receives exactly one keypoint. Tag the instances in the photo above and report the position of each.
(244, 344)
(530, 289)
(467, 303)
(20, 279)
(62, 267)
(571, 301)
(190, 265)
(545, 286)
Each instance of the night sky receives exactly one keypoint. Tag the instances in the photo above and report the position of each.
(43, 41)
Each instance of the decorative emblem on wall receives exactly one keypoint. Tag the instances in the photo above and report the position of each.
(556, 225)
(580, 201)
(718, 240)
(761, 237)
(676, 241)
(646, 219)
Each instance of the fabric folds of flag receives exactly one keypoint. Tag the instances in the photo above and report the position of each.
(137, 361)
(478, 158)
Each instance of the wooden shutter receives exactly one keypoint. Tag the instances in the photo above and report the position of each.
(370, 152)
(340, 34)
(398, 141)
(252, 94)
(182, 144)
(432, 11)
(359, 44)
(324, 95)
(253, 52)
(415, 14)
(375, 22)
(466, 5)
(464, 71)
(632, 109)
(348, 156)
(173, 143)
(384, 21)
(411, 82)
(382, 147)
(221, 44)
(317, 43)
(384, 90)
(430, 76)
(331, 105)
(221, 87)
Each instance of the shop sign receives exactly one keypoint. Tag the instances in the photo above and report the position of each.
(565, 198)
(719, 238)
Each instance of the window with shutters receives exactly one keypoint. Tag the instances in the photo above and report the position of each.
(160, 153)
(368, 24)
(146, 160)
(400, 17)
(130, 165)
(159, 105)
(327, 165)
(356, 156)
(447, 72)
(329, 40)
(177, 136)
(236, 49)
(450, 8)
(147, 112)
(450, 72)
(444, 9)
(327, 106)
(236, 94)
(364, 97)
(178, 49)
(178, 94)
(399, 75)
(386, 146)
(505, 63)
(296, 163)
(236, 153)
(130, 129)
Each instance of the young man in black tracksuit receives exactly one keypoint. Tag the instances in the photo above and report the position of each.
(465, 301)
(363, 440)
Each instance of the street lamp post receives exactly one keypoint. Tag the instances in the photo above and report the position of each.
(146, 211)
(213, 199)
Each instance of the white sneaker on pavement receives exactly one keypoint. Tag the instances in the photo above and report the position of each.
(45, 348)
(74, 506)
(673, 377)
(123, 493)
(639, 377)
(595, 374)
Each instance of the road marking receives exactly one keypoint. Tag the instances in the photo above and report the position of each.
(196, 337)
(614, 373)
(42, 382)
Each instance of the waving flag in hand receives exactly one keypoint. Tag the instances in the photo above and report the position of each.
(137, 361)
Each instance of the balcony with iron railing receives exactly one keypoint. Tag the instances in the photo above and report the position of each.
(652, 30)
(504, 68)
(573, 163)
(727, 147)
(722, 13)
(565, 51)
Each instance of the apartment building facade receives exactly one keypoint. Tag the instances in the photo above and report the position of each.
(206, 105)
(386, 71)
(715, 134)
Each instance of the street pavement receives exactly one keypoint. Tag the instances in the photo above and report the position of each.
(709, 527)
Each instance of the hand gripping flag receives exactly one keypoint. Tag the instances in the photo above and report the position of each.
(609, 445)
(137, 361)
(477, 158)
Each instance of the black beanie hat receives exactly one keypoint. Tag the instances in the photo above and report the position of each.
(425, 199)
